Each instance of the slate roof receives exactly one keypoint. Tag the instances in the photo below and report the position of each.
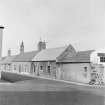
(49, 54)
(7, 60)
(81, 56)
(25, 57)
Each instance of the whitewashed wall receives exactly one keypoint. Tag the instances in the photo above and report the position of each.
(75, 72)
(24, 67)
(95, 59)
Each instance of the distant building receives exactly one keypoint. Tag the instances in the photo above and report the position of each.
(6, 62)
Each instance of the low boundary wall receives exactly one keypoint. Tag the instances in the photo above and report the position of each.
(14, 77)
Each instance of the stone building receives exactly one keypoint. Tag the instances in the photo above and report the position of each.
(86, 67)
(63, 63)
(23, 61)
(6, 63)
(76, 68)
(45, 61)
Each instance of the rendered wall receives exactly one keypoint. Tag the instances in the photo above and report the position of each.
(22, 67)
(95, 59)
(74, 72)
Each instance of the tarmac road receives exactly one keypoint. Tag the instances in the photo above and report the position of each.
(48, 92)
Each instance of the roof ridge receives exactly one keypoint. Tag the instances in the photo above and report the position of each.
(55, 48)
(85, 51)
(30, 51)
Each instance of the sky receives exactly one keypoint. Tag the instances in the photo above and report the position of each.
(58, 22)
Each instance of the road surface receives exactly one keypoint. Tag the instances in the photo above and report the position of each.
(48, 92)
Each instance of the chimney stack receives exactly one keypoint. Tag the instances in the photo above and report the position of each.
(41, 45)
(1, 38)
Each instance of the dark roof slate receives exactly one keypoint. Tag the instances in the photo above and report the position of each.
(8, 59)
(25, 57)
(49, 54)
(81, 56)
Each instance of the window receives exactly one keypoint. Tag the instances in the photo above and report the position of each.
(34, 68)
(41, 67)
(102, 59)
(49, 69)
(92, 67)
(85, 69)
(19, 68)
(9, 67)
(85, 72)
(14, 67)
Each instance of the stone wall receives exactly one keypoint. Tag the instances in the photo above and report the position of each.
(46, 69)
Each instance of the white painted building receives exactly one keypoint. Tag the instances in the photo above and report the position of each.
(97, 58)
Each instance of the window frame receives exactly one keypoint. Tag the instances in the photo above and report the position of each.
(85, 69)
(41, 67)
(49, 69)
(102, 59)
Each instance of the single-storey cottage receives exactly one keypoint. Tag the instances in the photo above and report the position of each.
(45, 61)
(6, 62)
(85, 67)
(23, 61)
(76, 68)
(65, 63)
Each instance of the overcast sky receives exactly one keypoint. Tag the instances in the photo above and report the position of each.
(59, 22)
